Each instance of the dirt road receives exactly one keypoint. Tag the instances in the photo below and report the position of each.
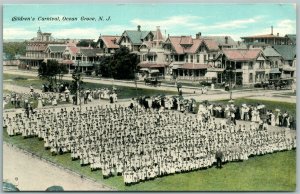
(37, 175)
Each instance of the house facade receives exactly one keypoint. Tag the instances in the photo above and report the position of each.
(133, 39)
(108, 44)
(241, 66)
(35, 50)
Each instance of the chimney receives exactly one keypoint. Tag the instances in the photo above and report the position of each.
(139, 28)
(226, 39)
(271, 30)
(277, 34)
(198, 35)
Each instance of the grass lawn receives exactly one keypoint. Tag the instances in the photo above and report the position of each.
(123, 91)
(7, 76)
(272, 172)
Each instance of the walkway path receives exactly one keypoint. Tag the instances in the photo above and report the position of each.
(37, 175)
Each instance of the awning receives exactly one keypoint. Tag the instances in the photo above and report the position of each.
(144, 69)
(275, 70)
(211, 74)
(154, 71)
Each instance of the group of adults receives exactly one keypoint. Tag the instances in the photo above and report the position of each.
(254, 113)
(167, 102)
(90, 95)
(143, 143)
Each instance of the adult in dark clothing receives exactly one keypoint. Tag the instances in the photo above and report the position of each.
(219, 156)
(280, 118)
(237, 114)
(250, 114)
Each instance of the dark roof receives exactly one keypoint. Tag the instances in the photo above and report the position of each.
(221, 40)
(136, 36)
(57, 48)
(292, 37)
(271, 52)
(90, 52)
(288, 52)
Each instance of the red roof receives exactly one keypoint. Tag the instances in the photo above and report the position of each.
(186, 40)
(158, 35)
(110, 41)
(177, 43)
(242, 54)
(211, 44)
(73, 49)
(194, 66)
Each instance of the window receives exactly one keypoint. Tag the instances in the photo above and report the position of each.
(186, 58)
(214, 56)
(192, 58)
(276, 64)
(250, 78)
(261, 65)
(251, 65)
(197, 58)
(205, 58)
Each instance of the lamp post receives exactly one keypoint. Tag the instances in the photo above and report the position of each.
(78, 86)
(230, 83)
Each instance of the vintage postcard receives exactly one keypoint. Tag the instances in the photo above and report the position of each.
(149, 97)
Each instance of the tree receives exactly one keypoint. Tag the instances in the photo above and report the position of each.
(85, 43)
(77, 82)
(51, 70)
(103, 67)
(11, 49)
(123, 64)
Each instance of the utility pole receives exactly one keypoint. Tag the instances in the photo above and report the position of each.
(78, 77)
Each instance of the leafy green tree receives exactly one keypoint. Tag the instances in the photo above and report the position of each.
(85, 43)
(103, 67)
(11, 49)
(51, 70)
(123, 64)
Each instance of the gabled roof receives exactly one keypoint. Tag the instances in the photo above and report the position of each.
(292, 37)
(288, 52)
(211, 44)
(90, 52)
(271, 52)
(110, 41)
(186, 40)
(241, 54)
(136, 36)
(221, 40)
(176, 42)
(56, 48)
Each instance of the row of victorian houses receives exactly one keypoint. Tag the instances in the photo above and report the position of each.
(255, 59)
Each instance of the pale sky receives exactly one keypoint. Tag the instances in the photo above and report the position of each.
(235, 20)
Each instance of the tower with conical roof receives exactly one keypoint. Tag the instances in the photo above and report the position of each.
(39, 34)
(158, 38)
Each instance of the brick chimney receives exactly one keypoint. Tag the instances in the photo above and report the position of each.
(271, 30)
(139, 28)
(198, 35)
